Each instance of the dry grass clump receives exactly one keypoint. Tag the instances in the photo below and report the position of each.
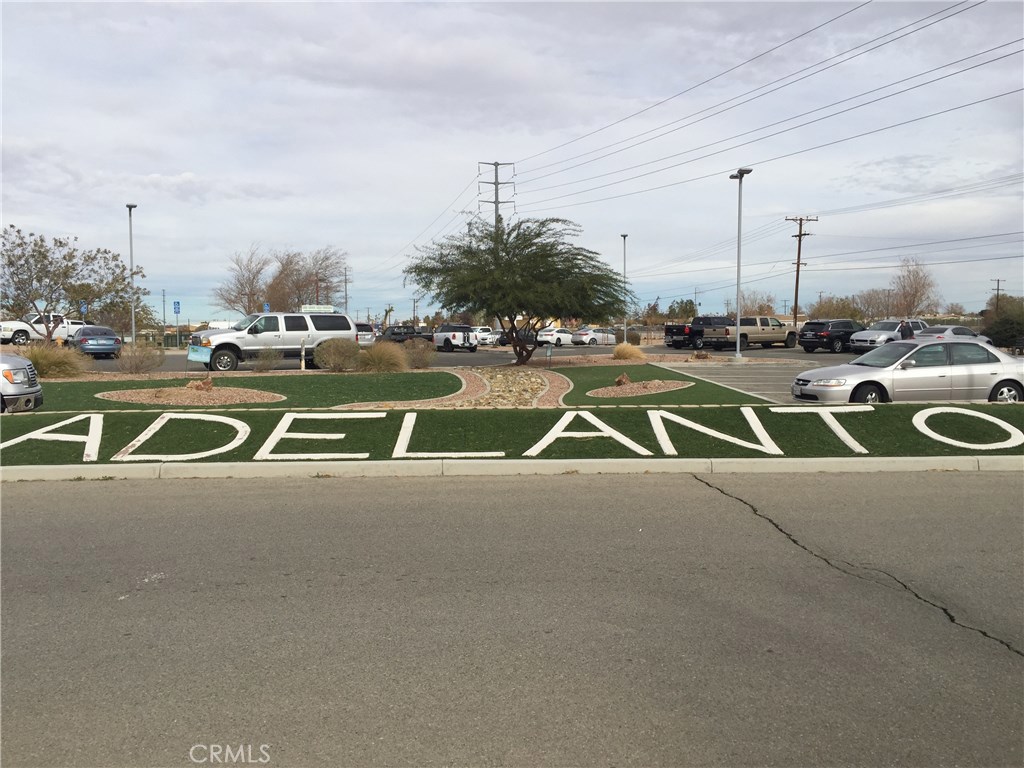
(51, 361)
(267, 360)
(627, 352)
(420, 353)
(337, 355)
(383, 357)
(140, 358)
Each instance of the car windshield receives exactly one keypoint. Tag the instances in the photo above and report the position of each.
(883, 357)
(934, 330)
(884, 325)
(244, 323)
(96, 330)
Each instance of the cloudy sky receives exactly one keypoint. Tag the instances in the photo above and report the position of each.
(373, 127)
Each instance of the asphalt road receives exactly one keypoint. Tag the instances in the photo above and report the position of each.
(175, 360)
(681, 620)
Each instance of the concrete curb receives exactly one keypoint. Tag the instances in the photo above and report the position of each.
(495, 467)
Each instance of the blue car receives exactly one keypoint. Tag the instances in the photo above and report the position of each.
(96, 340)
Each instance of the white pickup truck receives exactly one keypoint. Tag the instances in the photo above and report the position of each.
(32, 327)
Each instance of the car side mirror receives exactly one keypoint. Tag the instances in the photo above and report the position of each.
(908, 364)
(253, 330)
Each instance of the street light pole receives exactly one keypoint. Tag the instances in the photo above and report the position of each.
(740, 173)
(131, 263)
(624, 299)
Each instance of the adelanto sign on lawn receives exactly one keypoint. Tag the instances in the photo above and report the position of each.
(644, 433)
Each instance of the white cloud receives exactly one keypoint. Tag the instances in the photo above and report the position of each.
(356, 124)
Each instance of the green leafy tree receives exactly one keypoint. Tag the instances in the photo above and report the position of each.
(523, 274)
(55, 276)
(1006, 325)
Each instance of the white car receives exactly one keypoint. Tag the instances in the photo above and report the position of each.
(483, 333)
(952, 332)
(556, 336)
(594, 336)
(921, 369)
(365, 335)
(450, 337)
(881, 332)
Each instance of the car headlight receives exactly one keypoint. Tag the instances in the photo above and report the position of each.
(16, 376)
(828, 382)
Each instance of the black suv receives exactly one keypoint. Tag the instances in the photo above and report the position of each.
(833, 335)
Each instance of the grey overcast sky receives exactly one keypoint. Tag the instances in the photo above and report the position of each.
(363, 125)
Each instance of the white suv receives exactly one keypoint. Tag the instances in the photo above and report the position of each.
(293, 334)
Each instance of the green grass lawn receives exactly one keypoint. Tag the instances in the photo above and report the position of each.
(883, 431)
(585, 379)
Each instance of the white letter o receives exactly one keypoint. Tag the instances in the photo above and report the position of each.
(921, 418)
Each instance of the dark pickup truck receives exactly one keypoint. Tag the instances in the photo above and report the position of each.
(402, 333)
(691, 334)
(679, 335)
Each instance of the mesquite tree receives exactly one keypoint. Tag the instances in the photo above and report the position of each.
(525, 274)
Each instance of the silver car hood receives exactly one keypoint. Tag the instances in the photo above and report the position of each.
(832, 372)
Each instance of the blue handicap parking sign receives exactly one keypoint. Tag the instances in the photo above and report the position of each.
(177, 307)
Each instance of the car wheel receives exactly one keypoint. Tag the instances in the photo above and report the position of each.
(447, 345)
(20, 338)
(1006, 392)
(698, 342)
(790, 341)
(593, 342)
(867, 393)
(472, 349)
(3, 405)
(808, 349)
(224, 360)
(836, 345)
(558, 342)
(743, 343)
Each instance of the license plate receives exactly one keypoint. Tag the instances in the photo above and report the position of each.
(795, 389)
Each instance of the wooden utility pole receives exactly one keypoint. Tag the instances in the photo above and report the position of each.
(799, 242)
(998, 281)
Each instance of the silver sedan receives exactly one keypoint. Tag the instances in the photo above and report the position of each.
(918, 370)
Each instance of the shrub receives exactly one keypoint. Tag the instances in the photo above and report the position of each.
(336, 355)
(51, 361)
(140, 358)
(420, 353)
(383, 357)
(633, 337)
(627, 352)
(267, 359)
(1005, 331)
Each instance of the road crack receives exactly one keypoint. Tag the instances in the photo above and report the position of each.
(851, 569)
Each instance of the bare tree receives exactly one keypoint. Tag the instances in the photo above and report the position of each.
(914, 291)
(757, 303)
(245, 289)
(314, 278)
(832, 307)
(875, 303)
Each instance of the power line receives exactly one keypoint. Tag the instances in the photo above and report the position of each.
(767, 160)
(786, 120)
(698, 85)
(753, 98)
